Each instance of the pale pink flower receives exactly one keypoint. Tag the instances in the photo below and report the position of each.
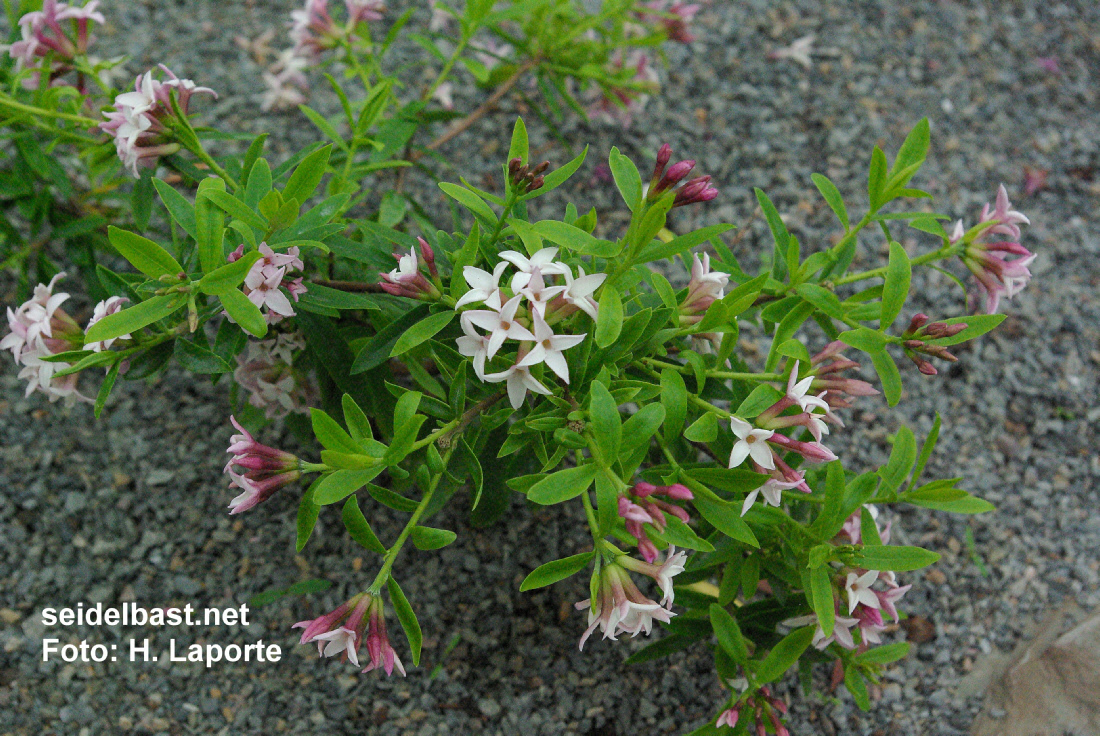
(662, 574)
(842, 633)
(339, 632)
(265, 370)
(285, 83)
(729, 717)
(618, 103)
(771, 492)
(798, 52)
(382, 656)
(674, 19)
(619, 607)
(859, 590)
(112, 305)
(364, 11)
(313, 30)
(484, 286)
(537, 293)
(704, 288)
(996, 276)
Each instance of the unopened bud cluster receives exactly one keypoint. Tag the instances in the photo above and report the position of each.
(524, 178)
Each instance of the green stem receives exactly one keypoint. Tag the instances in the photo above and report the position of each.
(395, 550)
(446, 70)
(688, 371)
(509, 203)
(8, 102)
(589, 511)
(880, 272)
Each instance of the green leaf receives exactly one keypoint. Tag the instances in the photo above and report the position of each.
(913, 151)
(760, 399)
(606, 421)
(609, 322)
(236, 208)
(627, 179)
(876, 178)
(407, 618)
(832, 197)
(141, 200)
(683, 243)
(105, 388)
(259, 183)
(356, 419)
(784, 654)
(209, 225)
(902, 456)
(338, 485)
(573, 238)
(888, 374)
(821, 598)
(563, 485)
(853, 680)
(423, 330)
(926, 450)
(307, 518)
(470, 200)
(130, 320)
(182, 211)
(884, 654)
(303, 182)
(143, 254)
(552, 572)
(703, 429)
(726, 518)
(197, 359)
(892, 557)
(323, 125)
(899, 273)
(976, 326)
(359, 529)
(426, 538)
(518, 148)
(678, 533)
(376, 351)
(557, 177)
(639, 428)
(729, 634)
(867, 340)
(968, 505)
(937, 490)
(780, 235)
(733, 480)
(230, 276)
(244, 312)
(823, 299)
(674, 399)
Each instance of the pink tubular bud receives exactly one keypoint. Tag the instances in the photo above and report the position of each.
(429, 256)
(940, 352)
(679, 492)
(536, 183)
(918, 321)
(913, 344)
(923, 365)
(663, 157)
(695, 191)
(643, 489)
(672, 177)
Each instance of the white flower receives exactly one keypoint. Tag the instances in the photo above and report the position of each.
(339, 640)
(407, 267)
(712, 283)
(542, 260)
(484, 286)
(519, 380)
(800, 391)
(670, 568)
(859, 590)
(751, 443)
(548, 348)
(772, 490)
(142, 100)
(578, 291)
(265, 290)
(538, 293)
(502, 325)
(473, 345)
(841, 630)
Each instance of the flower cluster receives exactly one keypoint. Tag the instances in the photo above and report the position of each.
(826, 367)
(996, 276)
(763, 705)
(919, 330)
(638, 506)
(667, 179)
(524, 311)
(341, 632)
(39, 329)
(44, 36)
(314, 31)
(265, 469)
(140, 120)
(619, 607)
(267, 278)
(265, 369)
(673, 18)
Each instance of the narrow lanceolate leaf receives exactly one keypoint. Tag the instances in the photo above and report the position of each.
(423, 330)
(182, 211)
(609, 322)
(876, 178)
(563, 485)
(209, 225)
(129, 321)
(518, 148)
(244, 312)
(784, 654)
(605, 421)
(888, 374)
(821, 595)
(552, 572)
(674, 399)
(728, 633)
(832, 197)
(470, 201)
(303, 182)
(236, 208)
(356, 419)
(893, 557)
(407, 618)
(330, 434)
(339, 485)
(359, 529)
(899, 273)
(143, 254)
(726, 518)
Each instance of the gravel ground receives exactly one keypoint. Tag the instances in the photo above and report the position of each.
(131, 507)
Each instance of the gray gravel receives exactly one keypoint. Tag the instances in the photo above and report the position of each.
(132, 507)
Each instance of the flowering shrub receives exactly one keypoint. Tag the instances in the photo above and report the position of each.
(507, 354)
